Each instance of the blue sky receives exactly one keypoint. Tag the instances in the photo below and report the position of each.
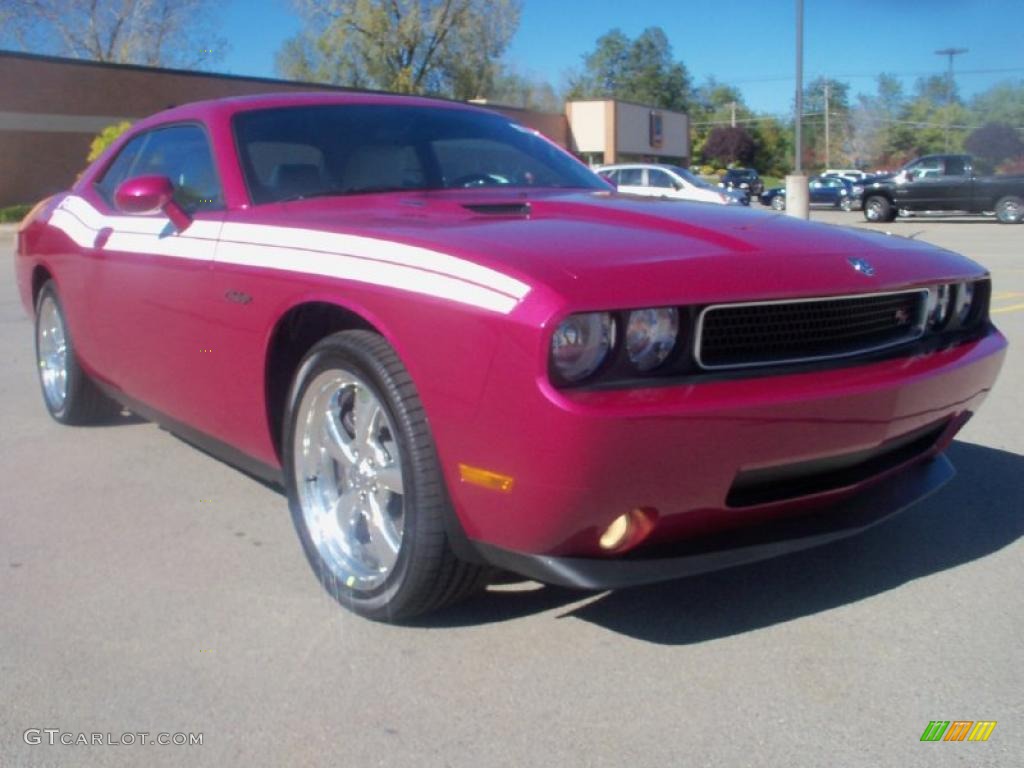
(749, 43)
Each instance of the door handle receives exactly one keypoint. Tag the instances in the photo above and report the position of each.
(102, 237)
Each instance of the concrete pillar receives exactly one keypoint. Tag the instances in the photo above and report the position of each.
(797, 196)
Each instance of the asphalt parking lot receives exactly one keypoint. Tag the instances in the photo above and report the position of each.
(145, 587)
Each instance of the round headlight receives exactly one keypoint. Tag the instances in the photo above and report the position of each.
(964, 302)
(940, 307)
(581, 343)
(651, 336)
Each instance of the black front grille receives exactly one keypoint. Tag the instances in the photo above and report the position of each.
(770, 333)
(765, 486)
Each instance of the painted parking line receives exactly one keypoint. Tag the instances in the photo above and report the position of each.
(1006, 295)
(1011, 308)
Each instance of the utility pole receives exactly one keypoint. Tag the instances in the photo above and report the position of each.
(732, 106)
(798, 143)
(827, 157)
(950, 52)
(796, 183)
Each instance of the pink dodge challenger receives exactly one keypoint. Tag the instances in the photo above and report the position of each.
(459, 349)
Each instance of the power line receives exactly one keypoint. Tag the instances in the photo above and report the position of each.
(862, 75)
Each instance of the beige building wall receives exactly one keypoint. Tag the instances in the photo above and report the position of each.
(50, 109)
(587, 125)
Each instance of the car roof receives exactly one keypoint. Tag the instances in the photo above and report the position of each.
(617, 166)
(226, 107)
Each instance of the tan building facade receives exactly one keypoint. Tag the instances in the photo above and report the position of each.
(608, 131)
(51, 108)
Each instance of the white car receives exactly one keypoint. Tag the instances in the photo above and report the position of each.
(669, 181)
(846, 173)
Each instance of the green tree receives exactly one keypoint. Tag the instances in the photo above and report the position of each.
(874, 122)
(1002, 103)
(448, 47)
(773, 146)
(517, 90)
(641, 70)
(151, 32)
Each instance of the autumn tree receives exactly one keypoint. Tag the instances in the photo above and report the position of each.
(993, 143)
(727, 144)
(449, 47)
(150, 32)
(641, 70)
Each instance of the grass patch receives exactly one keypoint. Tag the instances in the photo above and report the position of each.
(12, 214)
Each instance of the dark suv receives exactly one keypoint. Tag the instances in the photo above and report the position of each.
(743, 178)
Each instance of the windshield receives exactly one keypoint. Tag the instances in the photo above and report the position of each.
(690, 178)
(344, 149)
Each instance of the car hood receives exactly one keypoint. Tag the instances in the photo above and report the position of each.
(604, 250)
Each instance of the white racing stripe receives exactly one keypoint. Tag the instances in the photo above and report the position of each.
(347, 257)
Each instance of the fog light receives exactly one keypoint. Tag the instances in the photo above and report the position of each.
(629, 530)
(616, 533)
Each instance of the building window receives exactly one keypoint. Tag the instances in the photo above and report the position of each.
(657, 134)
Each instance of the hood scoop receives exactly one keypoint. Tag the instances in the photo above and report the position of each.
(499, 209)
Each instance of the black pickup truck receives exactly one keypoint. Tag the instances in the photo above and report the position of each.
(943, 183)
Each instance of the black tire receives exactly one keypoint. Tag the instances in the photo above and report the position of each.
(1010, 210)
(878, 209)
(426, 575)
(83, 402)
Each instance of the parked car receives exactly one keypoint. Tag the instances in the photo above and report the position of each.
(743, 178)
(456, 348)
(944, 183)
(667, 181)
(829, 191)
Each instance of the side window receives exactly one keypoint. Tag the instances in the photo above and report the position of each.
(182, 154)
(121, 168)
(660, 179)
(928, 168)
(956, 166)
(631, 177)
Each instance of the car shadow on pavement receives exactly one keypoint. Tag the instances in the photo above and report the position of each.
(978, 513)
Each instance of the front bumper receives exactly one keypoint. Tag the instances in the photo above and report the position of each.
(748, 545)
(703, 456)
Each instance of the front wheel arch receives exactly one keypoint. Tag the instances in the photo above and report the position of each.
(293, 335)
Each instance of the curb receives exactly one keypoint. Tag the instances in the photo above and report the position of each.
(8, 229)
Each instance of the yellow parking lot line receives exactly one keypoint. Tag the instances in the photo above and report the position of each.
(1011, 308)
(1007, 295)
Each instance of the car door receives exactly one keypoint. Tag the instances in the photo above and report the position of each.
(918, 187)
(818, 191)
(632, 181)
(953, 185)
(149, 294)
(662, 184)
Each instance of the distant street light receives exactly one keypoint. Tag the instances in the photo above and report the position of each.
(950, 52)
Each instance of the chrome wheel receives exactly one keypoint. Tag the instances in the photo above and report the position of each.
(348, 475)
(779, 203)
(52, 353)
(1009, 210)
(873, 210)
